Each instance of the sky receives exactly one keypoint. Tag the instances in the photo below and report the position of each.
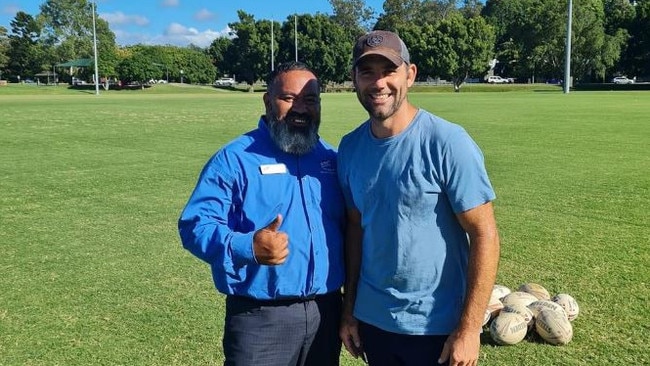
(179, 22)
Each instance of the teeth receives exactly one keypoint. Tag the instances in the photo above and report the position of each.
(379, 96)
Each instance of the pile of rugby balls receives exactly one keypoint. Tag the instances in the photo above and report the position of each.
(511, 315)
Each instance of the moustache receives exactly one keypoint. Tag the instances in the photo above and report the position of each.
(298, 119)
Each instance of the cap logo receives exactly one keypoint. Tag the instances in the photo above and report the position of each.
(375, 40)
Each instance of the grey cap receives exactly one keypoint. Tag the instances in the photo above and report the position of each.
(382, 43)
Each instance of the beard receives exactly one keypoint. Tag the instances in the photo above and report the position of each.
(296, 140)
(376, 113)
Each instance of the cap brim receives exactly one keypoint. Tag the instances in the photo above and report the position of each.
(387, 54)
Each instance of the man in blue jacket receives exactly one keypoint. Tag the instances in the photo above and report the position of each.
(267, 215)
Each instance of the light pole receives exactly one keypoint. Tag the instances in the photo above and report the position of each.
(181, 76)
(95, 51)
(567, 61)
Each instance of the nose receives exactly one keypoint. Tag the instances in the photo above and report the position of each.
(299, 106)
(378, 80)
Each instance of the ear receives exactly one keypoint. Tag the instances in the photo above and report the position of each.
(352, 76)
(412, 73)
(267, 102)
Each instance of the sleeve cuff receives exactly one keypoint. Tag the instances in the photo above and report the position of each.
(241, 248)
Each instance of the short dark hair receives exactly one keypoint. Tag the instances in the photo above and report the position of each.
(284, 68)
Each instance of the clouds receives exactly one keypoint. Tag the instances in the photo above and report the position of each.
(204, 15)
(175, 34)
(170, 3)
(180, 35)
(133, 29)
(119, 18)
(10, 9)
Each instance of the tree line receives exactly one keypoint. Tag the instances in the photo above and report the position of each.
(448, 39)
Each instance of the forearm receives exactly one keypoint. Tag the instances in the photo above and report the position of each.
(483, 264)
(353, 240)
(484, 252)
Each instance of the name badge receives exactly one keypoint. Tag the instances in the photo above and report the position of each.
(273, 169)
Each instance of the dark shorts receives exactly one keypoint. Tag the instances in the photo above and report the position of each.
(384, 348)
(282, 332)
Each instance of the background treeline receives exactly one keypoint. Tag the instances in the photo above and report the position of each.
(448, 39)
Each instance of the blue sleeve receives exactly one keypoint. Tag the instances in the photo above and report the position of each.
(465, 177)
(207, 223)
(342, 169)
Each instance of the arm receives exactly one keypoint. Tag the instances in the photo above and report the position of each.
(462, 346)
(349, 330)
(205, 228)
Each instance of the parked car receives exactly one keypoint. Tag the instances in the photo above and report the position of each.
(495, 79)
(77, 81)
(225, 82)
(622, 80)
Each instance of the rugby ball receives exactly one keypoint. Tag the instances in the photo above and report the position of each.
(486, 317)
(518, 297)
(553, 327)
(536, 290)
(569, 304)
(508, 328)
(495, 306)
(499, 291)
(537, 306)
(523, 311)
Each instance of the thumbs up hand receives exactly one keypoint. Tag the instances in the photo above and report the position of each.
(270, 245)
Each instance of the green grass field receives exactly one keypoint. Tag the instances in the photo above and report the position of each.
(92, 271)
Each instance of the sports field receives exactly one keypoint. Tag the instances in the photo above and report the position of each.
(92, 271)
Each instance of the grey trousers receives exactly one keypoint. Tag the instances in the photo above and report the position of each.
(300, 332)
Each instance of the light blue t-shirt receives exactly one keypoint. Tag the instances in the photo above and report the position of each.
(408, 189)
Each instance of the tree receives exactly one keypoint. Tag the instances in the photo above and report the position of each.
(323, 44)
(454, 48)
(4, 50)
(68, 28)
(352, 15)
(531, 35)
(249, 53)
(24, 55)
(636, 59)
(141, 63)
(218, 51)
(398, 14)
(138, 67)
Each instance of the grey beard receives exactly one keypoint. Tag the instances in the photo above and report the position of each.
(292, 140)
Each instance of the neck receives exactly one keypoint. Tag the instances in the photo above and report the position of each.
(393, 125)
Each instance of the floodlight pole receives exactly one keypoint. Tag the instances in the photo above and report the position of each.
(272, 60)
(95, 51)
(567, 61)
(295, 35)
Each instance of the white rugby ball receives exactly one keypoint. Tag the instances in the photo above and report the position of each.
(569, 304)
(494, 306)
(536, 290)
(523, 311)
(486, 317)
(537, 306)
(553, 327)
(499, 291)
(508, 328)
(518, 297)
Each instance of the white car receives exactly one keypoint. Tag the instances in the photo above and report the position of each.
(495, 79)
(225, 82)
(622, 80)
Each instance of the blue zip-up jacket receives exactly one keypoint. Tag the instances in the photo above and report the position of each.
(241, 189)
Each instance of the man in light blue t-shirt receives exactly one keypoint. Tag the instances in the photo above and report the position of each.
(422, 244)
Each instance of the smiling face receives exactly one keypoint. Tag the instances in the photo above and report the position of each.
(381, 86)
(293, 111)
